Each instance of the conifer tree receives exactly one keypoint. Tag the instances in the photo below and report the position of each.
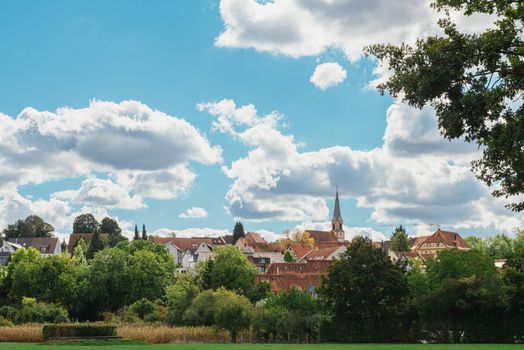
(137, 236)
(144, 232)
(238, 232)
(95, 245)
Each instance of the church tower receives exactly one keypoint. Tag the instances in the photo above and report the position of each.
(337, 222)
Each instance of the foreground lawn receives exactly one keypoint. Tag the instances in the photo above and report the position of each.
(138, 346)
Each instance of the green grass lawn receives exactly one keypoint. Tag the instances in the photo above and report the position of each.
(122, 345)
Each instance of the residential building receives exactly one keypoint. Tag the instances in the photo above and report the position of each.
(6, 250)
(74, 237)
(440, 240)
(46, 246)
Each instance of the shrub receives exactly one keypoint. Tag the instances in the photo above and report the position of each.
(142, 308)
(5, 322)
(32, 311)
(77, 330)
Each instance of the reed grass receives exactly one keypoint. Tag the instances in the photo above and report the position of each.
(162, 334)
(27, 333)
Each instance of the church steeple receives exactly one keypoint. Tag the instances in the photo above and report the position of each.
(337, 223)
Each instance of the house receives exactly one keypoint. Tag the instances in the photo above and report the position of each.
(330, 253)
(304, 276)
(438, 241)
(407, 256)
(187, 252)
(298, 251)
(254, 242)
(47, 246)
(74, 237)
(262, 260)
(6, 249)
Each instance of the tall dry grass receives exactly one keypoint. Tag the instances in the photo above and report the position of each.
(28, 333)
(161, 334)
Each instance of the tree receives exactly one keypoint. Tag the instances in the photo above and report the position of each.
(500, 246)
(365, 294)
(85, 223)
(464, 297)
(288, 257)
(63, 246)
(473, 82)
(136, 237)
(400, 240)
(299, 237)
(513, 278)
(238, 232)
(95, 245)
(31, 226)
(111, 227)
(144, 232)
(233, 313)
(232, 270)
(180, 295)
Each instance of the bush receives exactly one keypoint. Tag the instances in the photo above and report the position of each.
(5, 322)
(32, 311)
(142, 308)
(77, 330)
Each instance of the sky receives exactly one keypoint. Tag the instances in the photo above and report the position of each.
(190, 115)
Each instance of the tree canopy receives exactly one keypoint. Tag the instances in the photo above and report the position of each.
(85, 223)
(31, 226)
(238, 232)
(400, 240)
(475, 83)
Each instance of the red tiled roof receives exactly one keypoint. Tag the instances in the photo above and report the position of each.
(185, 243)
(286, 282)
(254, 237)
(300, 250)
(321, 254)
(322, 236)
(87, 238)
(448, 238)
(228, 239)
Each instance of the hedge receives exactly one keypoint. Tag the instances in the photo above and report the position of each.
(77, 330)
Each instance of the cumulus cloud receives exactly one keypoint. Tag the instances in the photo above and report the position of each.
(193, 213)
(309, 27)
(415, 176)
(192, 232)
(327, 75)
(101, 192)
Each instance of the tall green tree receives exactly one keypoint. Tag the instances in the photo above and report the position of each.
(136, 237)
(95, 245)
(232, 270)
(513, 278)
(238, 232)
(365, 293)
(400, 240)
(144, 232)
(85, 223)
(473, 82)
(233, 313)
(31, 226)
(111, 227)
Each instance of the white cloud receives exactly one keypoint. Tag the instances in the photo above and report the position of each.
(100, 192)
(300, 28)
(415, 176)
(192, 232)
(327, 75)
(106, 137)
(193, 213)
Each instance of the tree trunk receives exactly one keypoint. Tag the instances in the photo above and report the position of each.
(233, 336)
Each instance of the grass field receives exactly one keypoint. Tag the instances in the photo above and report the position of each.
(123, 345)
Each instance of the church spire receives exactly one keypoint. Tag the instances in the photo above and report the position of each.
(336, 212)
(337, 224)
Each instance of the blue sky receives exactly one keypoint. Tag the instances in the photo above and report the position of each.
(170, 56)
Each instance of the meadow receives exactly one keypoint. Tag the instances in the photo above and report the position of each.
(125, 345)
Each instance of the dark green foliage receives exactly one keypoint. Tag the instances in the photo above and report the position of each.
(31, 226)
(365, 294)
(471, 80)
(141, 308)
(144, 232)
(111, 227)
(288, 257)
(85, 223)
(136, 237)
(400, 240)
(238, 232)
(259, 292)
(288, 316)
(78, 330)
(95, 245)
(233, 313)
(179, 297)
